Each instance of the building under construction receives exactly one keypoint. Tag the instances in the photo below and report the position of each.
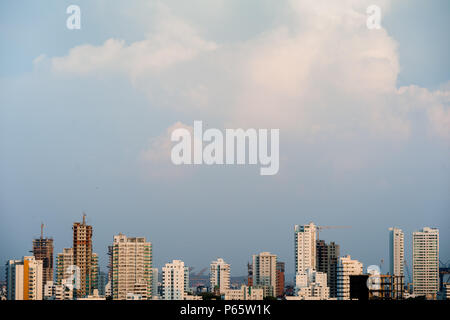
(388, 287)
(43, 251)
(84, 258)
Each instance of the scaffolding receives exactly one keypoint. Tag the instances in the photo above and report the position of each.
(388, 287)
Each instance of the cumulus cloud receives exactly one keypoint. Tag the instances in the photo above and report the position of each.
(320, 73)
(172, 42)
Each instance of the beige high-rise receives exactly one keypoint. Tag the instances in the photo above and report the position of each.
(219, 276)
(305, 247)
(131, 268)
(426, 262)
(265, 272)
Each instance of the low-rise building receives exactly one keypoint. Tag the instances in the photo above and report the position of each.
(244, 293)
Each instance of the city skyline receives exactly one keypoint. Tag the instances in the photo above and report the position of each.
(385, 264)
(321, 270)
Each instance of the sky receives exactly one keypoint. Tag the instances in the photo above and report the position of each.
(86, 116)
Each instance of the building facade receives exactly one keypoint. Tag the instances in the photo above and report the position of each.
(175, 280)
(265, 272)
(312, 285)
(279, 291)
(43, 251)
(426, 262)
(219, 276)
(327, 258)
(396, 252)
(24, 279)
(64, 261)
(244, 293)
(305, 247)
(131, 268)
(346, 268)
(83, 258)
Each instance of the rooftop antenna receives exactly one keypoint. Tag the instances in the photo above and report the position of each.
(42, 230)
(84, 217)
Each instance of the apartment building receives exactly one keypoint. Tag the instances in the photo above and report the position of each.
(346, 268)
(265, 272)
(131, 268)
(219, 276)
(175, 280)
(426, 262)
(24, 279)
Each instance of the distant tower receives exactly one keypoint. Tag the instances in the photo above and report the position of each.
(265, 272)
(175, 280)
(396, 252)
(327, 258)
(426, 262)
(280, 279)
(131, 268)
(43, 251)
(83, 257)
(305, 247)
(219, 276)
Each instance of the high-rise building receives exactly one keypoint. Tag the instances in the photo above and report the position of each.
(346, 268)
(43, 251)
(265, 272)
(305, 247)
(94, 272)
(131, 268)
(396, 252)
(327, 257)
(175, 280)
(312, 284)
(279, 292)
(219, 276)
(426, 262)
(24, 279)
(64, 261)
(83, 258)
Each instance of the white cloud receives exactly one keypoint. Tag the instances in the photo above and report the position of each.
(321, 73)
(173, 41)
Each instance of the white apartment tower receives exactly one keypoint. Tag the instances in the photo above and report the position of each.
(219, 276)
(426, 262)
(24, 279)
(175, 280)
(346, 268)
(305, 247)
(265, 272)
(396, 251)
(131, 268)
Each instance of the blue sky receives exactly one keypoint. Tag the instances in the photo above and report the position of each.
(363, 117)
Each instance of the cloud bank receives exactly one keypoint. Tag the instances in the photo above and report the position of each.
(319, 73)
